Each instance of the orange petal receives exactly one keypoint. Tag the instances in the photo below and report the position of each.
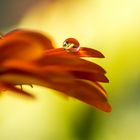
(84, 52)
(90, 76)
(101, 88)
(2, 88)
(33, 35)
(15, 69)
(89, 93)
(88, 52)
(81, 90)
(86, 92)
(69, 62)
(23, 44)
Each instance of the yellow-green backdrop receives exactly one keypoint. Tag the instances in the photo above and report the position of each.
(111, 26)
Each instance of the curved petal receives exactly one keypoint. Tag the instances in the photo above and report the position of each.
(101, 88)
(23, 44)
(84, 91)
(33, 35)
(14, 68)
(90, 93)
(69, 62)
(84, 52)
(55, 51)
(90, 76)
(88, 52)
(81, 90)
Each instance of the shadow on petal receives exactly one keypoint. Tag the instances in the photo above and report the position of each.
(16, 91)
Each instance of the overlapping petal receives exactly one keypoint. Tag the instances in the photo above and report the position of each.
(83, 52)
(28, 57)
(69, 62)
(90, 76)
(86, 92)
(91, 94)
(23, 44)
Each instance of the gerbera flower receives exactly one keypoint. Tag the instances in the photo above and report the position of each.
(28, 57)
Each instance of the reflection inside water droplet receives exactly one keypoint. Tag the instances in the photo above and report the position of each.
(71, 45)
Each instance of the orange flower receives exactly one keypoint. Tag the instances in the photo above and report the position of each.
(28, 57)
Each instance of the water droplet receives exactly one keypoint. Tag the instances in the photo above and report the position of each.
(71, 45)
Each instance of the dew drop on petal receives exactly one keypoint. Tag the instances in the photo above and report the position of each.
(71, 45)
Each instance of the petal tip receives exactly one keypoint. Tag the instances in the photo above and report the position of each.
(108, 108)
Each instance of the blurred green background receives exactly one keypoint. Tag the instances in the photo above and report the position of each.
(111, 26)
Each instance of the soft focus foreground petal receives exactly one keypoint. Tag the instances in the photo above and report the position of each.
(20, 68)
(23, 44)
(15, 90)
(84, 52)
(28, 74)
(17, 77)
(69, 62)
(2, 88)
(37, 36)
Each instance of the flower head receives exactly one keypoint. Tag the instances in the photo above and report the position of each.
(29, 57)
